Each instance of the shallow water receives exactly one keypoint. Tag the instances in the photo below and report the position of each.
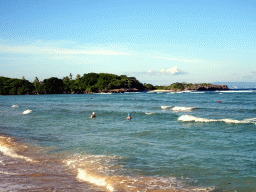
(183, 142)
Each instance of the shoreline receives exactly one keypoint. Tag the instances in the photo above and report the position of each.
(161, 91)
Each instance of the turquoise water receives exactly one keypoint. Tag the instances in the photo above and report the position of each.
(187, 141)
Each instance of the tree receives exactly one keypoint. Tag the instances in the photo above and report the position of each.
(148, 86)
(177, 86)
(70, 76)
(36, 82)
(66, 79)
(78, 76)
(53, 85)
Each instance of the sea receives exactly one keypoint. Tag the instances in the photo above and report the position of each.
(175, 141)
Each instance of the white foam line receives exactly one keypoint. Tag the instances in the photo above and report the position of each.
(246, 91)
(27, 111)
(197, 92)
(196, 119)
(165, 107)
(9, 152)
(82, 175)
(103, 93)
(182, 108)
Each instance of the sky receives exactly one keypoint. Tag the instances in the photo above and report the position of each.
(158, 42)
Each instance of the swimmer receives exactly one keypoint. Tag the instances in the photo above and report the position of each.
(129, 116)
(93, 115)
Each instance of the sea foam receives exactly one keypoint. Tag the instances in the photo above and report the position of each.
(6, 150)
(27, 111)
(241, 91)
(94, 179)
(197, 119)
(99, 171)
(165, 107)
(182, 108)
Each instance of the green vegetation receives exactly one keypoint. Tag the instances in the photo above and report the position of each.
(88, 83)
(91, 83)
(187, 86)
(157, 87)
(10, 86)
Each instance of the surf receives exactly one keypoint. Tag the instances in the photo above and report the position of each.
(103, 172)
(8, 146)
(27, 111)
(165, 107)
(187, 118)
(182, 108)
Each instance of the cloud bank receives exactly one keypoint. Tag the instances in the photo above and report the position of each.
(170, 71)
(166, 72)
(57, 51)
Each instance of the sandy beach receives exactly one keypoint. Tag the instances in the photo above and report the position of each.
(160, 91)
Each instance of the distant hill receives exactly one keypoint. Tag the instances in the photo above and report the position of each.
(237, 85)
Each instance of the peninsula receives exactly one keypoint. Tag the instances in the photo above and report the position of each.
(93, 83)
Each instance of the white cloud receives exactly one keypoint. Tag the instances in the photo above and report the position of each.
(57, 51)
(171, 71)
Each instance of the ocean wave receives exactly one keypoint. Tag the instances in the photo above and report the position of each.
(94, 179)
(7, 147)
(165, 107)
(197, 92)
(182, 108)
(197, 119)
(27, 111)
(105, 173)
(241, 91)
(103, 93)
(131, 92)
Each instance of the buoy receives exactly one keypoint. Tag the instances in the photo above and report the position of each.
(219, 101)
(182, 100)
(135, 98)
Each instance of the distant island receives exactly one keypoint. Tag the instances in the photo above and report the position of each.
(92, 83)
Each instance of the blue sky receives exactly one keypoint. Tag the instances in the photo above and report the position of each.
(158, 42)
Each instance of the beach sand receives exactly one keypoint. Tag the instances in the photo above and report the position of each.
(160, 91)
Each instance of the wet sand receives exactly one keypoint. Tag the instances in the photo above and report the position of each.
(29, 168)
(23, 169)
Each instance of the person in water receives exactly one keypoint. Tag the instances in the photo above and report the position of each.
(93, 115)
(129, 116)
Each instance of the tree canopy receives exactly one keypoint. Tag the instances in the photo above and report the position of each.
(88, 83)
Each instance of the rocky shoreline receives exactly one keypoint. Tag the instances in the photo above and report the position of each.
(123, 90)
(197, 87)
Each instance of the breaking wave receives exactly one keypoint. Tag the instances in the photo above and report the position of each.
(165, 107)
(103, 171)
(8, 146)
(182, 108)
(197, 119)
